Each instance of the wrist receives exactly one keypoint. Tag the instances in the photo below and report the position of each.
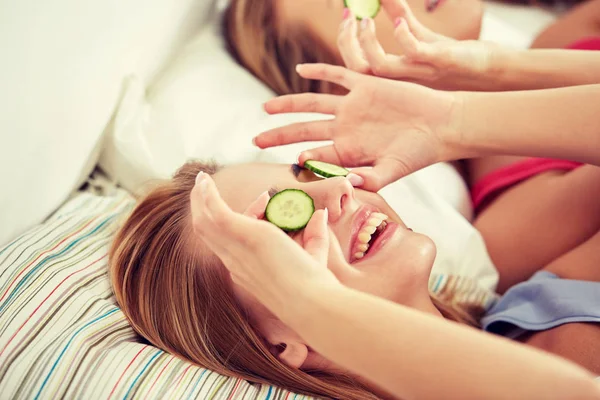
(303, 301)
(454, 137)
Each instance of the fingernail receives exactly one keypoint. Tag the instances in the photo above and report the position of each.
(199, 177)
(326, 216)
(398, 22)
(254, 141)
(298, 68)
(346, 13)
(204, 187)
(346, 23)
(355, 180)
(364, 24)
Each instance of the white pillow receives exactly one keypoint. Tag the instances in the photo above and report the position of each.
(514, 25)
(63, 63)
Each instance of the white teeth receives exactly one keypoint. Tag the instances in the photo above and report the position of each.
(364, 237)
(370, 229)
(380, 216)
(374, 222)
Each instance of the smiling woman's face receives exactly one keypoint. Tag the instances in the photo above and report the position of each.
(458, 19)
(393, 264)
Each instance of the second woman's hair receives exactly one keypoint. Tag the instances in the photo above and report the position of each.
(270, 50)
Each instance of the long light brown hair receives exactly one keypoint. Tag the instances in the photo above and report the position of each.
(270, 50)
(179, 297)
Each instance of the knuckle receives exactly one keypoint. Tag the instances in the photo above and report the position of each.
(311, 103)
(379, 68)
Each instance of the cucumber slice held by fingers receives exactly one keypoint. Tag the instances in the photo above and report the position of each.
(290, 210)
(363, 8)
(324, 169)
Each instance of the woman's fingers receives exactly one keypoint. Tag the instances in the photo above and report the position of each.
(329, 73)
(373, 50)
(213, 218)
(349, 45)
(392, 66)
(295, 133)
(400, 9)
(381, 175)
(304, 102)
(413, 48)
(316, 236)
(257, 208)
(326, 154)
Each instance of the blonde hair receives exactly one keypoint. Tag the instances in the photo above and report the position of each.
(180, 299)
(271, 51)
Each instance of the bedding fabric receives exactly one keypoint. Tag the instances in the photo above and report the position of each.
(63, 336)
(63, 65)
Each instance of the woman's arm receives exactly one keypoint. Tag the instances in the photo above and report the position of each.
(443, 63)
(416, 356)
(582, 21)
(405, 352)
(561, 123)
(541, 69)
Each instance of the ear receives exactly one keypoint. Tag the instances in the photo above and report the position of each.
(294, 354)
(285, 344)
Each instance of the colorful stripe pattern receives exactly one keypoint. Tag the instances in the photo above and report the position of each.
(63, 336)
(61, 332)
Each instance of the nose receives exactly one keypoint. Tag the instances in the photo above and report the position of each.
(337, 194)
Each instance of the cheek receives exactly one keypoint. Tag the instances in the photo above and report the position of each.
(405, 278)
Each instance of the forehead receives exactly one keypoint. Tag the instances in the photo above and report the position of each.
(241, 184)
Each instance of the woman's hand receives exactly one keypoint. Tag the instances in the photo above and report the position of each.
(395, 127)
(429, 58)
(262, 259)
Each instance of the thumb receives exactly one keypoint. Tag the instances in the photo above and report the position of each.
(316, 236)
(381, 175)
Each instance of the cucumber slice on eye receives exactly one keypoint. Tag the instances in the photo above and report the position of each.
(290, 210)
(363, 8)
(324, 169)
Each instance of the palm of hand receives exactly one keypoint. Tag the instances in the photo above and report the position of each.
(383, 121)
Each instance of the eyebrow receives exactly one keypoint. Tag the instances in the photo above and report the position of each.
(296, 169)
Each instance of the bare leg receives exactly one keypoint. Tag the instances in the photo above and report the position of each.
(582, 21)
(535, 222)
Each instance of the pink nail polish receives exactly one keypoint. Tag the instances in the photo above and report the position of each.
(346, 13)
(355, 180)
(364, 24)
(397, 22)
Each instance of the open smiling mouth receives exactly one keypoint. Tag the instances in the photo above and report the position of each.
(371, 230)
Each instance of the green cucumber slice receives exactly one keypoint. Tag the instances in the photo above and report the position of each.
(324, 169)
(363, 8)
(290, 210)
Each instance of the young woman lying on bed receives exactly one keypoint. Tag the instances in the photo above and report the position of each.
(179, 296)
(270, 38)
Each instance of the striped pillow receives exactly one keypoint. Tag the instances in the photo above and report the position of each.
(63, 336)
(61, 332)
